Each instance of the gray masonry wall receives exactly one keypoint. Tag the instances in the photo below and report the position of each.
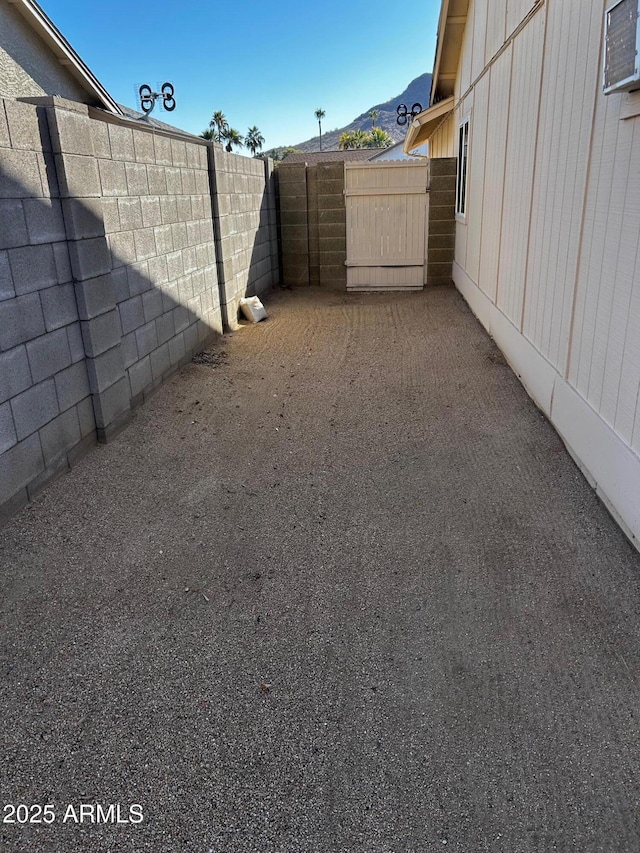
(245, 202)
(156, 207)
(313, 224)
(46, 410)
(295, 225)
(108, 273)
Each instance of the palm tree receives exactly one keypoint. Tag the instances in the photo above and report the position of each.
(231, 137)
(378, 138)
(320, 114)
(373, 115)
(208, 134)
(254, 140)
(218, 124)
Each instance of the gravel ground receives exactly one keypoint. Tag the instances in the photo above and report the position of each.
(338, 587)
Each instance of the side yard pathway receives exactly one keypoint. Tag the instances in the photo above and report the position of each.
(337, 588)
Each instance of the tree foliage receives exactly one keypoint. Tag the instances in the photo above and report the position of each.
(320, 114)
(254, 140)
(375, 138)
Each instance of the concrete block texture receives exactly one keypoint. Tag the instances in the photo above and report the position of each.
(110, 406)
(71, 132)
(101, 333)
(48, 354)
(32, 268)
(15, 373)
(34, 408)
(105, 370)
(45, 223)
(83, 218)
(13, 225)
(20, 176)
(59, 436)
(95, 296)
(21, 319)
(78, 176)
(8, 435)
(19, 466)
(121, 143)
(72, 385)
(113, 178)
(27, 126)
(89, 258)
(140, 376)
(144, 147)
(59, 306)
(7, 290)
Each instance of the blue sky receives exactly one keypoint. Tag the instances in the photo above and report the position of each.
(268, 64)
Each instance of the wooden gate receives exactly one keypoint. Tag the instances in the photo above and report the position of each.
(387, 205)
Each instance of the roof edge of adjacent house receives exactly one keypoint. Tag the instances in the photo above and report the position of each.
(39, 21)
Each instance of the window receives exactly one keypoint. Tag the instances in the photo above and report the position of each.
(463, 159)
(621, 40)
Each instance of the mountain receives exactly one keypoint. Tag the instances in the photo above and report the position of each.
(416, 92)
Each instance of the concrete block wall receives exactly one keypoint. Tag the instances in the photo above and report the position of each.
(108, 273)
(332, 226)
(46, 412)
(313, 225)
(245, 211)
(294, 224)
(442, 224)
(157, 210)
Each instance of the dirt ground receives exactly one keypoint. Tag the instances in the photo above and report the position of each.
(338, 587)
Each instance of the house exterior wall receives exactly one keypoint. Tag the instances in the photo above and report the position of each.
(27, 68)
(547, 253)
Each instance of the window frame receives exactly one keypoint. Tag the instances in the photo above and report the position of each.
(462, 169)
(632, 82)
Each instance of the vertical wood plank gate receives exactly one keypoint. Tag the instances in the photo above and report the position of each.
(387, 217)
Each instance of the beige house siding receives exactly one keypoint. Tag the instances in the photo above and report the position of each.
(27, 68)
(547, 254)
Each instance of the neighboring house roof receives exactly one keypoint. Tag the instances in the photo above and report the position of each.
(44, 27)
(349, 154)
(128, 112)
(397, 152)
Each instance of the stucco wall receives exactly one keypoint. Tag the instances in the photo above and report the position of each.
(27, 68)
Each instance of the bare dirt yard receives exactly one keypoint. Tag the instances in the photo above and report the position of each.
(337, 587)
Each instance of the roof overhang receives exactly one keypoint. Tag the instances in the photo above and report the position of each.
(451, 26)
(65, 54)
(426, 123)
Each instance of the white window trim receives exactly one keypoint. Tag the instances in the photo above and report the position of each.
(462, 190)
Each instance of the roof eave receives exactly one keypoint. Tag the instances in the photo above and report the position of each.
(65, 54)
(426, 123)
(453, 16)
